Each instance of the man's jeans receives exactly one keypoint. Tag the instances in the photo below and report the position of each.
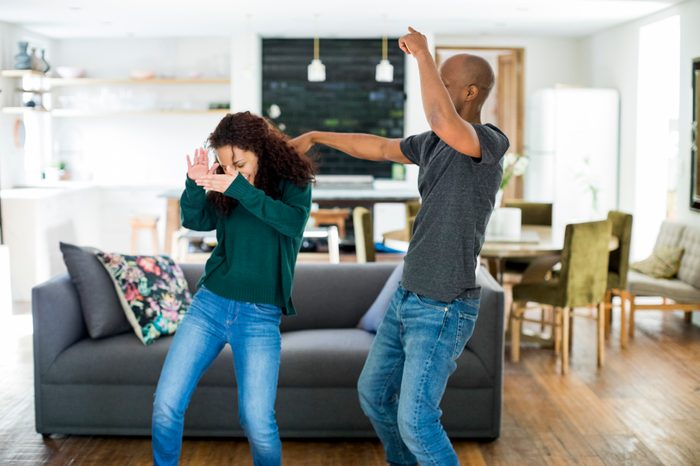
(253, 332)
(406, 373)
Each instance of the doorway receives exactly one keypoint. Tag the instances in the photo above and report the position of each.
(504, 107)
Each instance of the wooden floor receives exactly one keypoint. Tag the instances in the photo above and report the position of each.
(642, 408)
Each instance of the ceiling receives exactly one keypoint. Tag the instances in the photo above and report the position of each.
(329, 18)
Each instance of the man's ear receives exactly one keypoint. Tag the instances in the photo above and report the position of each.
(472, 92)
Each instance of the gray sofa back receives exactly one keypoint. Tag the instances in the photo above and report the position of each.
(337, 295)
(673, 234)
(325, 295)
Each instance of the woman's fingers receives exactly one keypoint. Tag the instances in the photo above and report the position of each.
(213, 168)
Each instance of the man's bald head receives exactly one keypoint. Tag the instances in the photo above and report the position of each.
(468, 78)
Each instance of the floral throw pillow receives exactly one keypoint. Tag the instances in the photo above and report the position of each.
(152, 290)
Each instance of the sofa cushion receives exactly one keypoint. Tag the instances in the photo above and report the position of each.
(689, 270)
(334, 296)
(323, 358)
(670, 234)
(152, 290)
(375, 314)
(310, 358)
(664, 262)
(335, 358)
(99, 302)
(644, 285)
(124, 360)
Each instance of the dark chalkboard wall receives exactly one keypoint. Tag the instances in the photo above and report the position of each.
(350, 100)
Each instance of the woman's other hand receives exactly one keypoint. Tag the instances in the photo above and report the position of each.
(217, 182)
(200, 166)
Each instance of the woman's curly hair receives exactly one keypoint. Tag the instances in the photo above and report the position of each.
(277, 160)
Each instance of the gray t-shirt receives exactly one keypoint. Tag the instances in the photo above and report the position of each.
(458, 194)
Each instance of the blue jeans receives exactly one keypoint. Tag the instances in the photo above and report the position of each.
(253, 332)
(406, 372)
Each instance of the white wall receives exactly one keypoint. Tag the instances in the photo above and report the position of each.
(612, 56)
(548, 60)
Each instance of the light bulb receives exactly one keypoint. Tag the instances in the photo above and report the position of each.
(316, 71)
(384, 72)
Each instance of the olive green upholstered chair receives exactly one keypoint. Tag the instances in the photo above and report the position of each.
(533, 213)
(581, 283)
(364, 235)
(618, 266)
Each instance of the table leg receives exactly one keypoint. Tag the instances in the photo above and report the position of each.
(495, 265)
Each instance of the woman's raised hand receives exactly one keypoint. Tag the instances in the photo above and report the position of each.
(200, 166)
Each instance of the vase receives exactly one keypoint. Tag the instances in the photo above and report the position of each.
(44, 65)
(36, 61)
(499, 199)
(22, 60)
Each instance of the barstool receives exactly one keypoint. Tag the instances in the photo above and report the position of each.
(148, 223)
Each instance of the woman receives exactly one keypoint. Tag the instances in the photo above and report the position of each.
(258, 200)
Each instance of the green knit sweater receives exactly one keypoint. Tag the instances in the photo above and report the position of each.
(258, 241)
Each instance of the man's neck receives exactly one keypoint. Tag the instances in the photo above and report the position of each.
(471, 115)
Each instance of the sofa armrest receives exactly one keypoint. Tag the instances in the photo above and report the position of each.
(487, 340)
(58, 321)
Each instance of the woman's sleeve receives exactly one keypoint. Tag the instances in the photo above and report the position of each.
(287, 215)
(195, 212)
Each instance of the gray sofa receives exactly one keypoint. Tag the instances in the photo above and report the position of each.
(106, 386)
(684, 289)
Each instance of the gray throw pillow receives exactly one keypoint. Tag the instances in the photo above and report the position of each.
(102, 310)
(375, 314)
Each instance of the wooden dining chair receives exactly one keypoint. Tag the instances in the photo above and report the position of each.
(618, 266)
(406, 233)
(532, 213)
(581, 283)
(364, 235)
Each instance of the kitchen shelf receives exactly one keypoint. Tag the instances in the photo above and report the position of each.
(23, 110)
(22, 74)
(58, 82)
(64, 113)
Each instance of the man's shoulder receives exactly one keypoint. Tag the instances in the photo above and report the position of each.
(491, 129)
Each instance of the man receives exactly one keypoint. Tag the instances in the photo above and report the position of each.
(433, 313)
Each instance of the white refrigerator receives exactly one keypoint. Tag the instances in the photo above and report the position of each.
(573, 147)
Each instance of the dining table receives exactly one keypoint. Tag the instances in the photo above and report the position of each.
(536, 242)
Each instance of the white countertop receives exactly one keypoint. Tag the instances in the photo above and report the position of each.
(41, 192)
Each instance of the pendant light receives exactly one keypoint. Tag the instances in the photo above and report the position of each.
(316, 71)
(385, 70)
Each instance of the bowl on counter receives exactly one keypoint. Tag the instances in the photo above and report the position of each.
(142, 74)
(70, 72)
